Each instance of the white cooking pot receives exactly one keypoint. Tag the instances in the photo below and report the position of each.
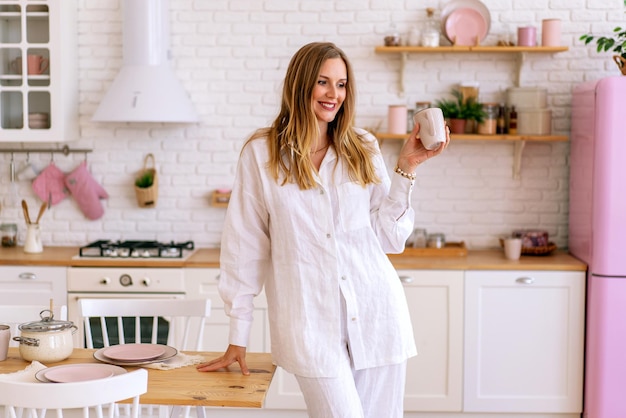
(46, 340)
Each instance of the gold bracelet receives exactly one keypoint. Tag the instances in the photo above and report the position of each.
(410, 176)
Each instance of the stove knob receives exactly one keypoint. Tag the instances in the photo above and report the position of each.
(145, 281)
(105, 281)
(126, 280)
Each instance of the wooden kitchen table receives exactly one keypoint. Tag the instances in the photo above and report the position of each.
(186, 385)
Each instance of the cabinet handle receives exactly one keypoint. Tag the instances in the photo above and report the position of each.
(28, 276)
(406, 279)
(525, 280)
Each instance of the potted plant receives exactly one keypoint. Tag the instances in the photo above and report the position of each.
(147, 184)
(616, 43)
(459, 111)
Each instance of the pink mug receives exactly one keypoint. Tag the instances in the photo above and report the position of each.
(37, 64)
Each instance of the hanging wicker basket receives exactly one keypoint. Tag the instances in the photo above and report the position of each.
(147, 184)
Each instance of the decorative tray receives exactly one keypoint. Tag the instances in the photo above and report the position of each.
(451, 249)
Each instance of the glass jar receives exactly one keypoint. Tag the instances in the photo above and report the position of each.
(392, 36)
(430, 34)
(436, 241)
(9, 235)
(421, 106)
(489, 124)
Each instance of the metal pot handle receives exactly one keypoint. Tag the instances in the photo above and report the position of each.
(27, 341)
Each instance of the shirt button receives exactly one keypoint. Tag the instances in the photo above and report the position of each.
(321, 191)
(353, 319)
(343, 278)
(327, 235)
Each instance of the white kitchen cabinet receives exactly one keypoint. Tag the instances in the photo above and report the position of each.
(435, 376)
(202, 283)
(524, 339)
(29, 285)
(28, 93)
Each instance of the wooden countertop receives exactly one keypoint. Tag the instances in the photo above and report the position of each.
(186, 385)
(209, 258)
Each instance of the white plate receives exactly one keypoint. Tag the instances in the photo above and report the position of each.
(465, 27)
(169, 353)
(134, 352)
(78, 373)
(459, 4)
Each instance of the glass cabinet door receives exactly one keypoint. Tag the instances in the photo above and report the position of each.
(34, 44)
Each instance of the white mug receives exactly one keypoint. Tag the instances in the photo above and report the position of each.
(432, 131)
(5, 337)
(512, 248)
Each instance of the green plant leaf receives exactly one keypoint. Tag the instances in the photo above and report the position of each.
(145, 180)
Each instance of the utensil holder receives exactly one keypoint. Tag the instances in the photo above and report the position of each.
(147, 196)
(33, 239)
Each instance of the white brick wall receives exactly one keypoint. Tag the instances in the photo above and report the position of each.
(231, 55)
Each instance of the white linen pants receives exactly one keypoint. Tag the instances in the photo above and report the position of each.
(369, 393)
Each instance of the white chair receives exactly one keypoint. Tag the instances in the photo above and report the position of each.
(14, 315)
(32, 400)
(185, 319)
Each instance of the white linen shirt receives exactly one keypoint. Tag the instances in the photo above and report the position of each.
(309, 247)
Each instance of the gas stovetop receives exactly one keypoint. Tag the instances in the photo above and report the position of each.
(136, 249)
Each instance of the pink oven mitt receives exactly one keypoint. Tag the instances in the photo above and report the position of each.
(49, 185)
(86, 191)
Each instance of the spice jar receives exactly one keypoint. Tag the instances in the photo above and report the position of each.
(9, 235)
(392, 36)
(436, 241)
(488, 125)
(421, 106)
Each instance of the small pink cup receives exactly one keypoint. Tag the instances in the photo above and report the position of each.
(527, 36)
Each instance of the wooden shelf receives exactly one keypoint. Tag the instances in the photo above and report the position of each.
(220, 199)
(518, 140)
(476, 137)
(520, 51)
(475, 49)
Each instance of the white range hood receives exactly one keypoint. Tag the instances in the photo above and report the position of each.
(146, 88)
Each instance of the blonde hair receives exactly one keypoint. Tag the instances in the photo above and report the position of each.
(295, 129)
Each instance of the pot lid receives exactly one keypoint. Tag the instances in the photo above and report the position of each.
(47, 323)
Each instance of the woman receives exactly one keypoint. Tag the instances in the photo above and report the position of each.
(312, 214)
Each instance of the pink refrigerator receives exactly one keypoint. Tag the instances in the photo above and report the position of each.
(597, 236)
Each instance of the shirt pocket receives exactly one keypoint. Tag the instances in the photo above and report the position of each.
(354, 206)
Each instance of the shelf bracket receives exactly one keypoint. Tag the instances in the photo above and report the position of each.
(403, 59)
(517, 159)
(521, 57)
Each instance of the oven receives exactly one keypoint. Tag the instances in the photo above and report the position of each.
(126, 277)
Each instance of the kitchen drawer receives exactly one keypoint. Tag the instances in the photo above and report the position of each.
(30, 285)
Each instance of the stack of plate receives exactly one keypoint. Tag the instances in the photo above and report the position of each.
(465, 22)
(78, 373)
(135, 354)
(38, 121)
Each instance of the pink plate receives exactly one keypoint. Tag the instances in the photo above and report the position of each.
(134, 352)
(78, 372)
(467, 26)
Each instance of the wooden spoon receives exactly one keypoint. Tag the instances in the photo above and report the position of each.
(42, 209)
(25, 209)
